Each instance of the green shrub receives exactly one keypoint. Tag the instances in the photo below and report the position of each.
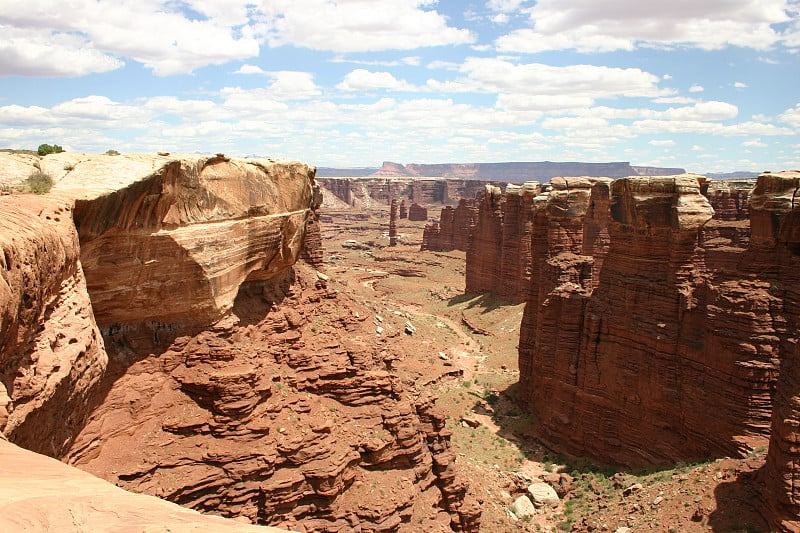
(38, 182)
(45, 149)
(112, 152)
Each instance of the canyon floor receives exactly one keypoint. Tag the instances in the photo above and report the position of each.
(464, 349)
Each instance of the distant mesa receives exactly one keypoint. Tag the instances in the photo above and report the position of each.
(511, 171)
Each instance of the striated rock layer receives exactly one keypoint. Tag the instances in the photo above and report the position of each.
(499, 251)
(51, 352)
(775, 212)
(276, 414)
(234, 385)
(454, 229)
(417, 213)
(655, 357)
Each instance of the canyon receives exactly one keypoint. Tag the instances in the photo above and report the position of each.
(244, 339)
(159, 332)
(660, 313)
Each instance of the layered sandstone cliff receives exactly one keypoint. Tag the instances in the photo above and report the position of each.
(775, 212)
(454, 229)
(51, 352)
(499, 251)
(625, 363)
(223, 391)
(367, 191)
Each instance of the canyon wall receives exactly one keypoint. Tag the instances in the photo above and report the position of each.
(455, 227)
(630, 339)
(51, 351)
(230, 381)
(775, 214)
(364, 192)
(499, 251)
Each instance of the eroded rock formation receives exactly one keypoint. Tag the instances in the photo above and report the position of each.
(625, 363)
(403, 209)
(233, 384)
(417, 213)
(365, 192)
(775, 212)
(393, 224)
(454, 229)
(499, 251)
(52, 351)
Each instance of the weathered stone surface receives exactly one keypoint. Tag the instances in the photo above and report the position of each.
(455, 227)
(729, 198)
(393, 224)
(264, 417)
(542, 494)
(523, 507)
(38, 493)
(417, 213)
(169, 247)
(403, 209)
(484, 253)
(775, 212)
(363, 192)
(627, 366)
(51, 352)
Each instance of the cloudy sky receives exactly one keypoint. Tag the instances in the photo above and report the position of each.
(709, 85)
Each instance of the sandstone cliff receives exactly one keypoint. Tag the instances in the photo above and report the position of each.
(220, 393)
(51, 352)
(626, 362)
(775, 212)
(454, 229)
(365, 192)
(499, 251)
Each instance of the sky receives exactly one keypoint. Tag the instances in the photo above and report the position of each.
(708, 85)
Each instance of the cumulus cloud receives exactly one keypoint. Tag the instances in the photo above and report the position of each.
(364, 80)
(739, 85)
(495, 75)
(39, 52)
(250, 69)
(160, 35)
(754, 143)
(627, 24)
(791, 116)
(358, 26)
(696, 89)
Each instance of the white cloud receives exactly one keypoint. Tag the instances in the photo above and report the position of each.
(358, 25)
(696, 89)
(410, 60)
(675, 100)
(754, 143)
(293, 85)
(697, 148)
(666, 142)
(250, 69)
(364, 80)
(158, 35)
(504, 6)
(740, 85)
(493, 75)
(38, 52)
(589, 26)
(791, 116)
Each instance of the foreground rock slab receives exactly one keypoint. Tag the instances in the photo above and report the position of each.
(38, 493)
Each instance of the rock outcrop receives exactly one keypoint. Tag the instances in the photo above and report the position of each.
(499, 251)
(38, 493)
(51, 351)
(417, 213)
(403, 209)
(655, 357)
(775, 212)
(454, 229)
(393, 224)
(365, 192)
(233, 383)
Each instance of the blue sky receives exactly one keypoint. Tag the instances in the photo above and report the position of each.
(710, 85)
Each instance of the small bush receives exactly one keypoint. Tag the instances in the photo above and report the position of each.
(45, 149)
(112, 152)
(38, 182)
(69, 168)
